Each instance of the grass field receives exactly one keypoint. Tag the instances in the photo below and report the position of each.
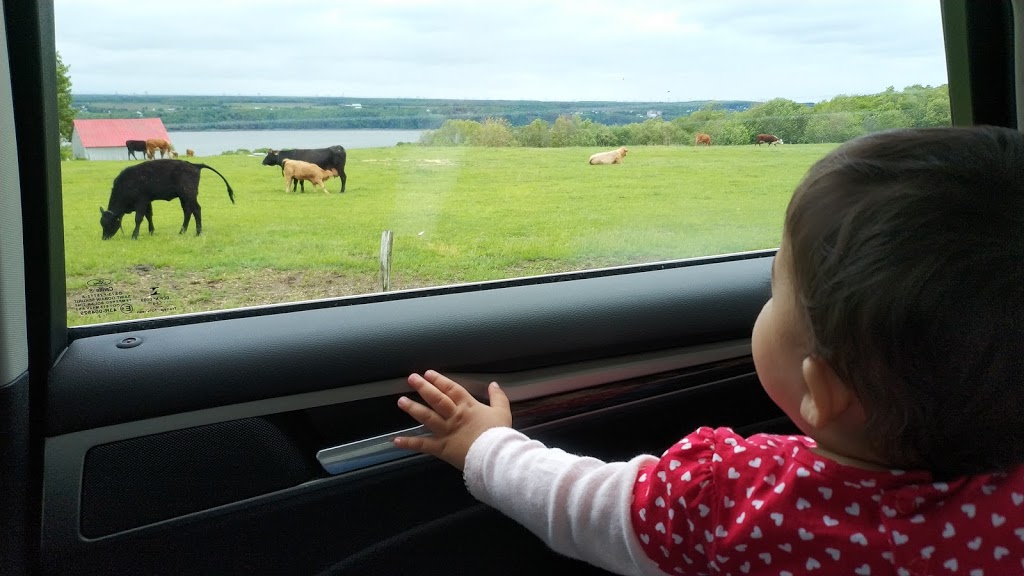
(458, 215)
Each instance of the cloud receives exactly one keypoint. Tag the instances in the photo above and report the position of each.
(531, 49)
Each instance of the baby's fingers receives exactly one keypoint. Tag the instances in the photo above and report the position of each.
(422, 414)
(436, 398)
(422, 444)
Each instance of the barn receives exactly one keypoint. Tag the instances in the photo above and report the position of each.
(104, 139)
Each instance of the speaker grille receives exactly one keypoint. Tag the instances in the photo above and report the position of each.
(136, 482)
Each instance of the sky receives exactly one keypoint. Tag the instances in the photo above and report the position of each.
(555, 50)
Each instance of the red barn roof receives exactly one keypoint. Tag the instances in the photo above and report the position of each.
(113, 133)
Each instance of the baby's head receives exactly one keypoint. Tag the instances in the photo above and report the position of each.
(902, 271)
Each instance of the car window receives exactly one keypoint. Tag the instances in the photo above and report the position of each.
(474, 141)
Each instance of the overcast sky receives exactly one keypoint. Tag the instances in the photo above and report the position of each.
(656, 50)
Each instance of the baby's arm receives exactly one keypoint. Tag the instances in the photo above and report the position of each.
(579, 506)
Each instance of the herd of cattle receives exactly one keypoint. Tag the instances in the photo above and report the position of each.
(616, 156)
(768, 139)
(150, 146)
(136, 187)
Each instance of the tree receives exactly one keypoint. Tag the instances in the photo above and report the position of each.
(65, 113)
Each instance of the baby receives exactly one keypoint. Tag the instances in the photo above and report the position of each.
(894, 340)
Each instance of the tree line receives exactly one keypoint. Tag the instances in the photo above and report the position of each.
(832, 121)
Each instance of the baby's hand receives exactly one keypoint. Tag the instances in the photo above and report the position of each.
(454, 417)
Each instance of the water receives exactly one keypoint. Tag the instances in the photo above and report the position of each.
(213, 142)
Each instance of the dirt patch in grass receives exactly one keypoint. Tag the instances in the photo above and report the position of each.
(146, 291)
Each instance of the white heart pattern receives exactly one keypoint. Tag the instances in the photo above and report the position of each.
(802, 504)
(899, 539)
(645, 538)
(677, 539)
(853, 509)
(1000, 552)
(975, 544)
(733, 474)
(745, 567)
(662, 476)
(864, 570)
(766, 558)
(833, 553)
(825, 492)
(756, 533)
(674, 464)
(812, 564)
(660, 527)
(777, 517)
(805, 535)
(968, 509)
(778, 489)
(1018, 499)
(755, 463)
(802, 472)
(739, 519)
(704, 510)
(819, 465)
(643, 514)
(949, 531)
(786, 547)
(927, 552)
(830, 522)
(757, 504)
(859, 538)
(997, 520)
(660, 502)
(951, 564)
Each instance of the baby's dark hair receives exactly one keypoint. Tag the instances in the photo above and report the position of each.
(908, 259)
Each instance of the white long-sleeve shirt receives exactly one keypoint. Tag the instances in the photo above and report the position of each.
(579, 506)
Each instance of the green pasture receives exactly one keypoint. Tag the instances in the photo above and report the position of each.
(457, 214)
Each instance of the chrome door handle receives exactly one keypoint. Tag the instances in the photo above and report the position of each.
(366, 452)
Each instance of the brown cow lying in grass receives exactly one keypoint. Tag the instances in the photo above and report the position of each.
(299, 170)
(154, 144)
(610, 157)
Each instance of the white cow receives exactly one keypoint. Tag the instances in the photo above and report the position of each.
(610, 157)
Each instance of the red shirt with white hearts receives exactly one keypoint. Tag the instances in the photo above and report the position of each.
(718, 503)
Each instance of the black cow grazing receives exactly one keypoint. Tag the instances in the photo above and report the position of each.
(135, 146)
(326, 158)
(136, 187)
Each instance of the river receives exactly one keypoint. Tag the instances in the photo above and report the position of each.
(213, 142)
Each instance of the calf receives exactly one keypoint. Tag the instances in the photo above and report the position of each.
(610, 157)
(702, 138)
(302, 171)
(326, 158)
(190, 152)
(767, 139)
(135, 146)
(136, 187)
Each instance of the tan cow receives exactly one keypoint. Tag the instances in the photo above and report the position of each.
(190, 152)
(299, 170)
(702, 138)
(154, 144)
(610, 157)
(174, 154)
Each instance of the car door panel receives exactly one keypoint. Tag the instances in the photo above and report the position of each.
(129, 467)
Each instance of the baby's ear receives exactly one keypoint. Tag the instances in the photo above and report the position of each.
(826, 396)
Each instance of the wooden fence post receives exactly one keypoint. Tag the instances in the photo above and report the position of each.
(385, 261)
